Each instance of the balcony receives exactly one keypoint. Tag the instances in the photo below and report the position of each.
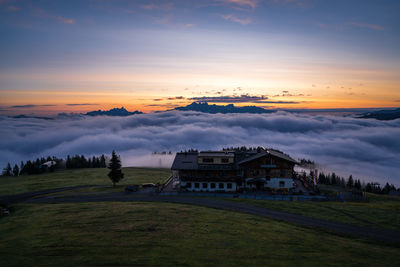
(268, 166)
(216, 167)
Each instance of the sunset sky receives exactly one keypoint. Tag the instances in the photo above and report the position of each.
(76, 56)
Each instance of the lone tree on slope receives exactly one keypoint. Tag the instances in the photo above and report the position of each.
(115, 174)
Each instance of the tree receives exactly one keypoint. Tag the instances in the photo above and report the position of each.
(357, 184)
(16, 170)
(350, 182)
(7, 170)
(333, 179)
(115, 174)
(386, 189)
(69, 162)
(368, 187)
(102, 161)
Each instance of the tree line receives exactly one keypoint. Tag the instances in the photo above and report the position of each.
(77, 162)
(354, 184)
(38, 166)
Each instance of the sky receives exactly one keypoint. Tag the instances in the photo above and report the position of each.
(76, 56)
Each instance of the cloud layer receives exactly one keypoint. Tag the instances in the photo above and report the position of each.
(368, 149)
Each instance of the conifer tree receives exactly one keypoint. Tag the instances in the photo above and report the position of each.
(7, 170)
(115, 173)
(16, 170)
(350, 182)
(102, 161)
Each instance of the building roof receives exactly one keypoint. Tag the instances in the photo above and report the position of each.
(188, 160)
(229, 154)
(253, 157)
(271, 152)
(281, 155)
(185, 161)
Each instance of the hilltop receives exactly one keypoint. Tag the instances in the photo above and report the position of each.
(382, 114)
(230, 108)
(113, 112)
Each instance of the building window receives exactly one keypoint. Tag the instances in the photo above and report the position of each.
(196, 185)
(224, 160)
(221, 185)
(188, 185)
(205, 185)
(229, 185)
(281, 184)
(212, 185)
(283, 173)
(208, 160)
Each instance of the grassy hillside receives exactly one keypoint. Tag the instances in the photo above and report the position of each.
(169, 235)
(381, 211)
(25, 183)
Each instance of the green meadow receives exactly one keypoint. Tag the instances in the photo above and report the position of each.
(165, 234)
(112, 233)
(75, 177)
(380, 211)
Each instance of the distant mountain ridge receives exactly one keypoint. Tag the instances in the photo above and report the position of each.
(382, 115)
(113, 112)
(230, 108)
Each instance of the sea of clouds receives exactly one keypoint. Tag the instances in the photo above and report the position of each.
(367, 148)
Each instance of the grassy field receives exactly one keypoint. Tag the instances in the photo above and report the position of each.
(380, 212)
(120, 233)
(25, 183)
(104, 234)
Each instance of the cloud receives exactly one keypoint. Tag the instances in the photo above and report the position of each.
(367, 26)
(65, 21)
(246, 3)
(299, 3)
(164, 7)
(242, 99)
(234, 18)
(81, 104)
(229, 99)
(176, 98)
(13, 8)
(31, 106)
(366, 148)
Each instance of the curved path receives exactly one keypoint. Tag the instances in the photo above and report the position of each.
(374, 233)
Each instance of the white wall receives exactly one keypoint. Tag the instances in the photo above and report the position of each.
(209, 189)
(274, 183)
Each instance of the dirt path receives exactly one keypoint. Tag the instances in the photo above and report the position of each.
(373, 233)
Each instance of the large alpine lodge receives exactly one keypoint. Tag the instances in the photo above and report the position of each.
(234, 171)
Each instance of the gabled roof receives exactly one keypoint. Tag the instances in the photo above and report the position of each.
(281, 155)
(270, 152)
(216, 154)
(185, 161)
(251, 158)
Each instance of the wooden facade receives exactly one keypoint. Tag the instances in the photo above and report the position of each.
(229, 171)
